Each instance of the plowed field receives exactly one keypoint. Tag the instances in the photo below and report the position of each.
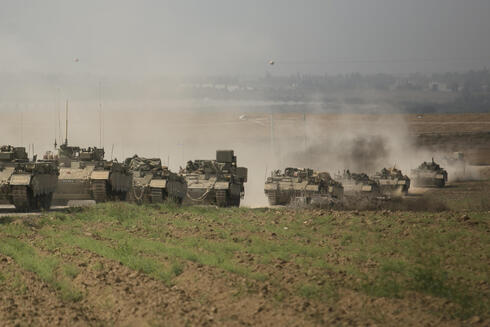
(128, 265)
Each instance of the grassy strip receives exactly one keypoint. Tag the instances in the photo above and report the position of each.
(219, 255)
(48, 268)
(157, 227)
(125, 252)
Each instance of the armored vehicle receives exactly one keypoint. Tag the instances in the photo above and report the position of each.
(218, 182)
(301, 185)
(154, 183)
(85, 175)
(429, 174)
(28, 185)
(392, 182)
(358, 184)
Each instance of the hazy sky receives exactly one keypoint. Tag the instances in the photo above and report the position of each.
(185, 37)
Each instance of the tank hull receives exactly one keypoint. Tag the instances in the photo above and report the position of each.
(27, 191)
(91, 184)
(157, 191)
(393, 187)
(220, 196)
(288, 191)
(428, 179)
(422, 181)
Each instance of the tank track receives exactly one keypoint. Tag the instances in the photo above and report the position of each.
(221, 198)
(272, 196)
(236, 202)
(45, 201)
(22, 198)
(99, 190)
(176, 199)
(156, 195)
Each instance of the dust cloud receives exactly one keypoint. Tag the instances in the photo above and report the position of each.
(360, 143)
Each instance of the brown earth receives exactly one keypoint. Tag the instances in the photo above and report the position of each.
(206, 295)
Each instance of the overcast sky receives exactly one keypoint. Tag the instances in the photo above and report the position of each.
(185, 37)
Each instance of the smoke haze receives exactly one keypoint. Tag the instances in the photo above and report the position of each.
(119, 37)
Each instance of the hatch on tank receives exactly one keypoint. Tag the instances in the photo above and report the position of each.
(225, 156)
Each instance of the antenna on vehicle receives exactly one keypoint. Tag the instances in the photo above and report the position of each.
(21, 129)
(112, 151)
(60, 140)
(66, 126)
(100, 113)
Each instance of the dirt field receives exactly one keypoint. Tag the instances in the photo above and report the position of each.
(127, 265)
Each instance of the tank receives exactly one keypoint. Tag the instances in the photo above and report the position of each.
(28, 185)
(219, 182)
(429, 174)
(301, 185)
(392, 182)
(85, 175)
(358, 184)
(154, 183)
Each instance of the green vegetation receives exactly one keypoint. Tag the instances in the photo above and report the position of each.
(46, 267)
(378, 254)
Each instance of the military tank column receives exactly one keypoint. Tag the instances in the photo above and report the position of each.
(219, 182)
(154, 183)
(301, 185)
(76, 173)
(85, 175)
(28, 185)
